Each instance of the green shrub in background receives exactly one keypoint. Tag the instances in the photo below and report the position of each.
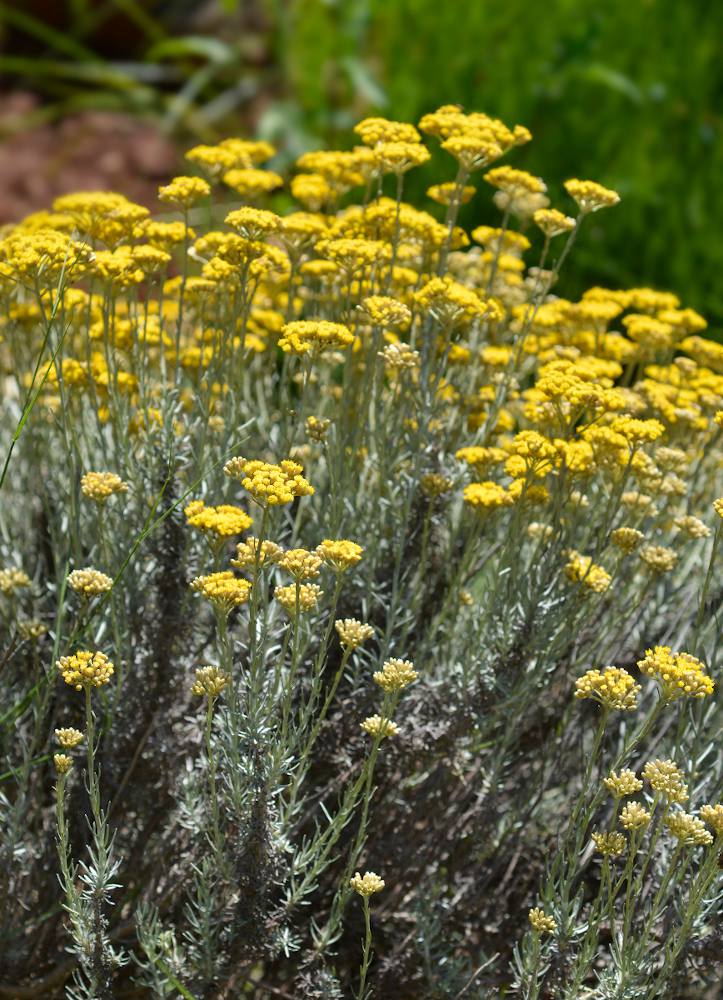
(629, 92)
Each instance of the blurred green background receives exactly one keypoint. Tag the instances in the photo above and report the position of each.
(627, 92)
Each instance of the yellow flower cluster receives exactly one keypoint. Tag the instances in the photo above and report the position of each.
(395, 675)
(352, 633)
(313, 337)
(379, 728)
(223, 521)
(581, 569)
(666, 778)
(622, 783)
(99, 486)
(209, 682)
(298, 599)
(339, 555)
(269, 485)
(680, 675)
(13, 579)
(367, 884)
(540, 922)
(69, 738)
(612, 687)
(610, 843)
(89, 582)
(688, 829)
(224, 590)
(85, 669)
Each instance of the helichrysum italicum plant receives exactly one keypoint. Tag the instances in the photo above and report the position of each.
(329, 514)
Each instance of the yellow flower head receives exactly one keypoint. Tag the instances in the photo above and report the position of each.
(610, 843)
(380, 728)
(552, 223)
(486, 497)
(99, 486)
(224, 590)
(622, 783)
(626, 539)
(366, 885)
(223, 521)
(89, 582)
(590, 195)
(581, 569)
(666, 778)
(298, 599)
(352, 633)
(680, 675)
(62, 762)
(12, 580)
(184, 191)
(395, 675)
(713, 816)
(307, 336)
(209, 682)
(69, 738)
(339, 555)
(688, 829)
(300, 563)
(248, 553)
(540, 922)
(612, 687)
(633, 816)
(269, 485)
(85, 669)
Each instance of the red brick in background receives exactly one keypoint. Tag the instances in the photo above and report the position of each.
(90, 151)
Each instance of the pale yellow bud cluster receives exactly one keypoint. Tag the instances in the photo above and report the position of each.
(89, 582)
(400, 357)
(99, 486)
(339, 555)
(12, 580)
(540, 922)
(62, 762)
(622, 783)
(247, 552)
(658, 558)
(366, 885)
(713, 816)
(298, 599)
(666, 778)
(633, 816)
(209, 682)
(379, 728)
(395, 675)
(610, 843)
(317, 427)
(69, 738)
(688, 829)
(352, 633)
(300, 563)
